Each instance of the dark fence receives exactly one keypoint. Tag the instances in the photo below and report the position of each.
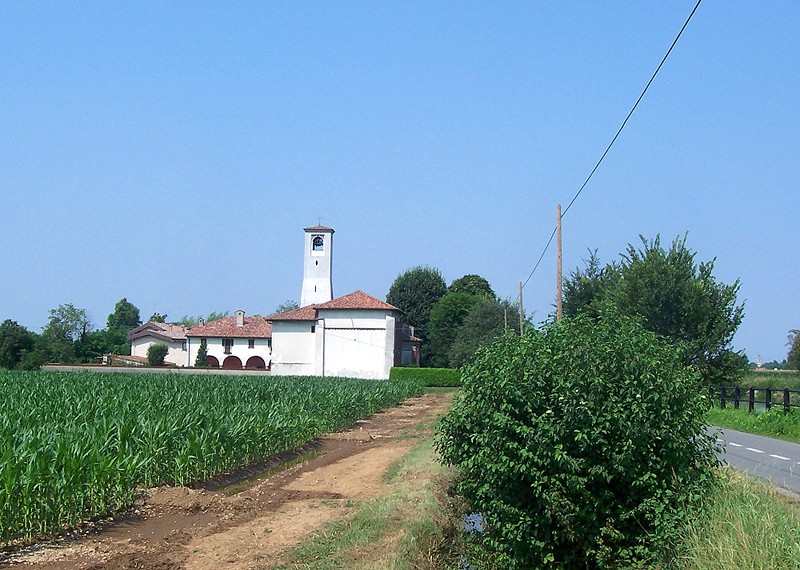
(768, 397)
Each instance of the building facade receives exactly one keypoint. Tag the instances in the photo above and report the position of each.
(171, 334)
(233, 343)
(356, 335)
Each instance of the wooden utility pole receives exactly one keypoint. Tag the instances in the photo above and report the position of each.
(558, 262)
(521, 311)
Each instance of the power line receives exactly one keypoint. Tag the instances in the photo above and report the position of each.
(613, 140)
(535, 267)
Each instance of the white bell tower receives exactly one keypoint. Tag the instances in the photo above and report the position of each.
(317, 265)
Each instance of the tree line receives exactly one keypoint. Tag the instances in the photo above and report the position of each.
(70, 337)
(664, 287)
(452, 321)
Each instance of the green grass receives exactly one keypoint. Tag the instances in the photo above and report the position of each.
(772, 379)
(744, 525)
(773, 423)
(405, 528)
(78, 445)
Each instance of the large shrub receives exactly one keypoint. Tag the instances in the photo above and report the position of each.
(583, 445)
(156, 354)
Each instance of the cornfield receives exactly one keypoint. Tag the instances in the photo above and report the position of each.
(76, 446)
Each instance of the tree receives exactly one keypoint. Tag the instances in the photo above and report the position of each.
(157, 318)
(15, 342)
(201, 361)
(472, 285)
(793, 358)
(156, 354)
(286, 306)
(189, 321)
(674, 296)
(68, 322)
(446, 317)
(66, 328)
(583, 290)
(488, 320)
(414, 292)
(98, 343)
(124, 318)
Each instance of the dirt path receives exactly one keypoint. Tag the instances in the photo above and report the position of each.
(177, 527)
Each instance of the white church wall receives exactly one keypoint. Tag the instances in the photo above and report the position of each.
(294, 348)
(357, 353)
(354, 318)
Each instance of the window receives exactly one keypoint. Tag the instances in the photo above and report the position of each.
(317, 243)
(251, 343)
(227, 345)
(313, 328)
(183, 345)
(269, 342)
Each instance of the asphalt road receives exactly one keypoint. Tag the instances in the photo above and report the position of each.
(773, 459)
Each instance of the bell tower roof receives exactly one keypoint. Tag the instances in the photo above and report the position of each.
(319, 229)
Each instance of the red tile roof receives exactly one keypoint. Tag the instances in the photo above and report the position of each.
(162, 331)
(307, 313)
(254, 327)
(351, 301)
(357, 300)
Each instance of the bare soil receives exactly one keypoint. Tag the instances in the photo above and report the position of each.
(196, 529)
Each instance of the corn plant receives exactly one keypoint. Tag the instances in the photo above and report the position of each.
(76, 446)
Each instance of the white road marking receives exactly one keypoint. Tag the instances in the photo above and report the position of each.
(753, 450)
(734, 444)
(781, 457)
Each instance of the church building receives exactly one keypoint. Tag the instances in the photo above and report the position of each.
(355, 335)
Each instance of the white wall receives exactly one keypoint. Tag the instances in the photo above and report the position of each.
(240, 348)
(354, 318)
(294, 348)
(354, 343)
(175, 355)
(356, 353)
(359, 343)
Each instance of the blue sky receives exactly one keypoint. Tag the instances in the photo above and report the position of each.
(171, 153)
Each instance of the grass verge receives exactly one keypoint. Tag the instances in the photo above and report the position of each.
(773, 423)
(410, 526)
(745, 525)
(407, 527)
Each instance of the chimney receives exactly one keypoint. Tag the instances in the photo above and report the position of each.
(240, 318)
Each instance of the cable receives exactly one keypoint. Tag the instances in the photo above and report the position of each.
(552, 235)
(625, 122)
(613, 140)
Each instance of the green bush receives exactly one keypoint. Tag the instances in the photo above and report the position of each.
(430, 377)
(582, 445)
(156, 354)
